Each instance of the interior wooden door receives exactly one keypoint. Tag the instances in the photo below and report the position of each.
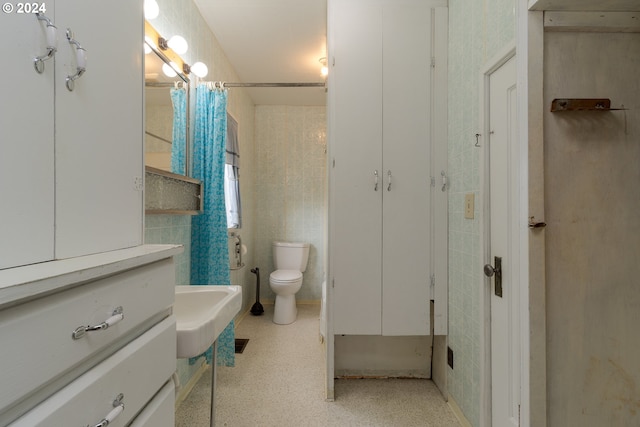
(505, 291)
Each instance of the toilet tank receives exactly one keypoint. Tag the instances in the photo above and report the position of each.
(290, 255)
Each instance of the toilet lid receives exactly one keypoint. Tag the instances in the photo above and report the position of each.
(286, 275)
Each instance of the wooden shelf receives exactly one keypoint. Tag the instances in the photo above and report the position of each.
(580, 104)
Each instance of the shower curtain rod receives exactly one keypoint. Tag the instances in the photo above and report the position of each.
(218, 84)
(165, 84)
(159, 137)
(225, 84)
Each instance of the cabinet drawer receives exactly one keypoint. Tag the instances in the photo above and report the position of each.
(38, 351)
(160, 412)
(136, 372)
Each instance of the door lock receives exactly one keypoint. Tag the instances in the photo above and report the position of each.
(490, 271)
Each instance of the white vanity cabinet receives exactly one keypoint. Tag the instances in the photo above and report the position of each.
(99, 128)
(381, 131)
(130, 378)
(26, 144)
(53, 374)
(86, 329)
(93, 142)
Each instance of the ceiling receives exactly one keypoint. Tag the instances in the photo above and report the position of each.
(272, 41)
(281, 41)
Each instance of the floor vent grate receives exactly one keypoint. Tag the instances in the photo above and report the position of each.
(241, 343)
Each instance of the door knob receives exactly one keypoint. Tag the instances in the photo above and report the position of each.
(490, 271)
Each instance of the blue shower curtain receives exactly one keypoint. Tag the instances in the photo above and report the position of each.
(178, 146)
(209, 244)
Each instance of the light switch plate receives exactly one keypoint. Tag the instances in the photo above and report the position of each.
(469, 202)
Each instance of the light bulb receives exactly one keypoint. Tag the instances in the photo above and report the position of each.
(169, 70)
(324, 70)
(200, 69)
(151, 9)
(178, 44)
(150, 42)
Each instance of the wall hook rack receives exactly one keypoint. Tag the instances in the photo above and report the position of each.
(536, 224)
(582, 104)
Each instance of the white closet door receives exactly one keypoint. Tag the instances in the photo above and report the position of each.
(406, 266)
(356, 114)
(99, 165)
(26, 143)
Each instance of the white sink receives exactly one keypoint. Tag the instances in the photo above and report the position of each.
(202, 313)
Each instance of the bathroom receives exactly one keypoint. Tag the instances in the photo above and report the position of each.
(282, 175)
(291, 205)
(470, 47)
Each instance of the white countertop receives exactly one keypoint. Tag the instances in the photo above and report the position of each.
(30, 281)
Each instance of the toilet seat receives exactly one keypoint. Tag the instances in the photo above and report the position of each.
(285, 276)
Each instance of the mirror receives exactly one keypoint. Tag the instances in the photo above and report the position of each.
(166, 112)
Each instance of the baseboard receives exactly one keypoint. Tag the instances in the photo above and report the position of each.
(244, 314)
(309, 302)
(184, 391)
(375, 356)
(464, 422)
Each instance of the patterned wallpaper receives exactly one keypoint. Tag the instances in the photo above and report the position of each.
(290, 188)
(183, 17)
(478, 29)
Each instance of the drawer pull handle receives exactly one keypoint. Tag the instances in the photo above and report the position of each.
(116, 316)
(118, 407)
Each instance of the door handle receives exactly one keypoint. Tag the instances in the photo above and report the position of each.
(389, 176)
(375, 180)
(81, 61)
(52, 43)
(490, 271)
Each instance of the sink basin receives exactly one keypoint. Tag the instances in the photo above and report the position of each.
(202, 313)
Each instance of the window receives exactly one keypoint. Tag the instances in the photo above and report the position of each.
(232, 175)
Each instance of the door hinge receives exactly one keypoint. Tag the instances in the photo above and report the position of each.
(333, 283)
(432, 288)
(519, 416)
(433, 62)
(445, 180)
(138, 183)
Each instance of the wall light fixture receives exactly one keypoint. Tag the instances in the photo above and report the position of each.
(200, 69)
(324, 70)
(169, 70)
(177, 43)
(151, 9)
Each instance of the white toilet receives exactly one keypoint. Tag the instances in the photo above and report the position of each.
(290, 261)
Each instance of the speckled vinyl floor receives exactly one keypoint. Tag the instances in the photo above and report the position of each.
(279, 381)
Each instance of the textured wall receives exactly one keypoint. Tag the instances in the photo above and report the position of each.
(592, 200)
(183, 17)
(290, 188)
(172, 229)
(478, 29)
